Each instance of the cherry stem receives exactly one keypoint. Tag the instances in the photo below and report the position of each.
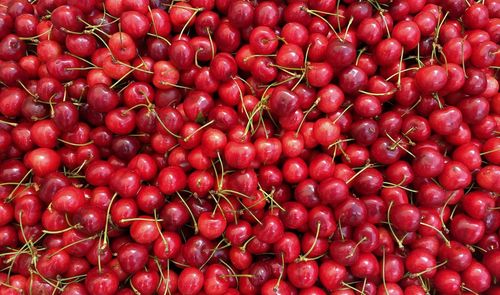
(315, 13)
(402, 71)
(352, 288)
(469, 290)
(400, 243)
(11, 196)
(275, 288)
(197, 130)
(159, 230)
(160, 37)
(368, 165)
(306, 113)
(34, 95)
(397, 143)
(195, 224)
(225, 191)
(241, 275)
(108, 219)
(212, 46)
(72, 244)
(383, 272)
(244, 246)
(269, 196)
(232, 207)
(342, 237)
(140, 219)
(163, 125)
(447, 242)
(387, 184)
(337, 144)
(474, 247)
(162, 275)
(378, 94)
(18, 290)
(259, 55)
(75, 144)
(56, 232)
(351, 254)
(490, 151)
(195, 11)
(214, 250)
(343, 112)
(306, 64)
(250, 211)
(8, 123)
(304, 257)
(414, 275)
(55, 286)
(438, 28)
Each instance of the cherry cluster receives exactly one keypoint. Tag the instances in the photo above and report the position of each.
(249, 147)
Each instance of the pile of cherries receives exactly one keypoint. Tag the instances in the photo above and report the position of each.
(249, 147)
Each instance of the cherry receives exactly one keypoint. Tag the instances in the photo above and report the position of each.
(490, 261)
(407, 33)
(475, 83)
(303, 274)
(332, 274)
(455, 175)
(190, 281)
(295, 170)
(211, 225)
(472, 230)
(68, 200)
(27, 210)
(43, 161)
(103, 281)
(351, 212)
(366, 265)
(91, 219)
(199, 245)
(484, 56)
(428, 163)
(368, 181)
(448, 281)
(477, 204)
(476, 277)
(445, 121)
(227, 36)
(405, 217)
(431, 78)
(132, 257)
(421, 262)
(145, 282)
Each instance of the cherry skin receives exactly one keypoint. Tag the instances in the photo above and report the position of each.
(428, 163)
(455, 175)
(68, 200)
(340, 54)
(211, 225)
(190, 281)
(366, 265)
(43, 161)
(132, 257)
(472, 229)
(431, 78)
(448, 281)
(303, 274)
(270, 231)
(421, 261)
(476, 277)
(103, 281)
